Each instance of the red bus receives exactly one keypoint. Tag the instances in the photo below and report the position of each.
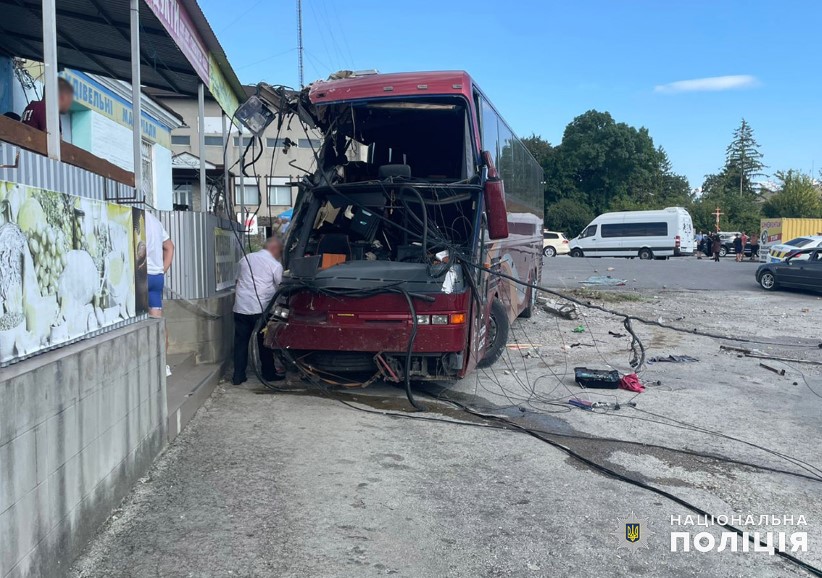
(385, 258)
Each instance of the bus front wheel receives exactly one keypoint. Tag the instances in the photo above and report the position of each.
(497, 337)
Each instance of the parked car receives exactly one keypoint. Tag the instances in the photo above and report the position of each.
(777, 253)
(554, 243)
(727, 240)
(644, 234)
(801, 270)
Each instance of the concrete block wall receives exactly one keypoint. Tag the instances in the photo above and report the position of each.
(193, 328)
(78, 427)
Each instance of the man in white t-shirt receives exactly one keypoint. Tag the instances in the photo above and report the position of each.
(258, 276)
(159, 253)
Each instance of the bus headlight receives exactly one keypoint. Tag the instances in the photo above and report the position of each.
(439, 319)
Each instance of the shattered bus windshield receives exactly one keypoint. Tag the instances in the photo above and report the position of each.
(402, 188)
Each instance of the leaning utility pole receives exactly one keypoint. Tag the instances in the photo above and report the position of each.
(300, 41)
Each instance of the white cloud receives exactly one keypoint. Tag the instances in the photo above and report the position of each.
(710, 84)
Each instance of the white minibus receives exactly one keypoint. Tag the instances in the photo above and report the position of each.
(643, 234)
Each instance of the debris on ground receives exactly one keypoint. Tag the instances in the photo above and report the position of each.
(773, 369)
(673, 359)
(579, 329)
(581, 403)
(631, 383)
(603, 280)
(565, 310)
(615, 334)
(596, 378)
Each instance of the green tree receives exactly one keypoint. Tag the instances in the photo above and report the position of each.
(608, 165)
(567, 216)
(798, 196)
(732, 189)
(743, 159)
(540, 148)
(739, 213)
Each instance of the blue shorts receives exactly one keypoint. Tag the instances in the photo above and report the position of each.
(155, 291)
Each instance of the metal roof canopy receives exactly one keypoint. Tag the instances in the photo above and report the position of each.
(168, 44)
(93, 36)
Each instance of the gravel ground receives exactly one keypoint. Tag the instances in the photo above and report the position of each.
(302, 485)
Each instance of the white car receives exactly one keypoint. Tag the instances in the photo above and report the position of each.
(778, 253)
(554, 243)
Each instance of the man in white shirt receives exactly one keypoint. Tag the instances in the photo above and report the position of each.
(258, 276)
(159, 253)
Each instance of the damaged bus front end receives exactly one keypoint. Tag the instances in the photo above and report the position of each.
(389, 236)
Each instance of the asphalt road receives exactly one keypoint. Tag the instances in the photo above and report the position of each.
(677, 273)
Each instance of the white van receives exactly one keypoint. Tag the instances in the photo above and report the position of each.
(643, 234)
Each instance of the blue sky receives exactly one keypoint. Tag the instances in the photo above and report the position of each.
(545, 62)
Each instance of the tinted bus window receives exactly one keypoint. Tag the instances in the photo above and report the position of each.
(635, 230)
(490, 136)
(520, 172)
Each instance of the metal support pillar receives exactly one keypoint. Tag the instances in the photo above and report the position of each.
(51, 96)
(201, 146)
(240, 150)
(136, 101)
(226, 197)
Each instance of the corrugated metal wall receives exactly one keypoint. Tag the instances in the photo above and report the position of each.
(193, 272)
(42, 172)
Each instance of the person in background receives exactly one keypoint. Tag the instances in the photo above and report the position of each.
(34, 114)
(159, 253)
(707, 241)
(716, 245)
(258, 276)
(698, 238)
(754, 246)
(739, 248)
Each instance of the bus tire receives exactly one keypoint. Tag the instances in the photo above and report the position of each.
(576, 252)
(646, 254)
(498, 327)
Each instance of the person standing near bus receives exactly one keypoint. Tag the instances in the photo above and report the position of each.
(739, 248)
(258, 276)
(716, 246)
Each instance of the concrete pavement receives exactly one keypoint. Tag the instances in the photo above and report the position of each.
(265, 484)
(284, 485)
